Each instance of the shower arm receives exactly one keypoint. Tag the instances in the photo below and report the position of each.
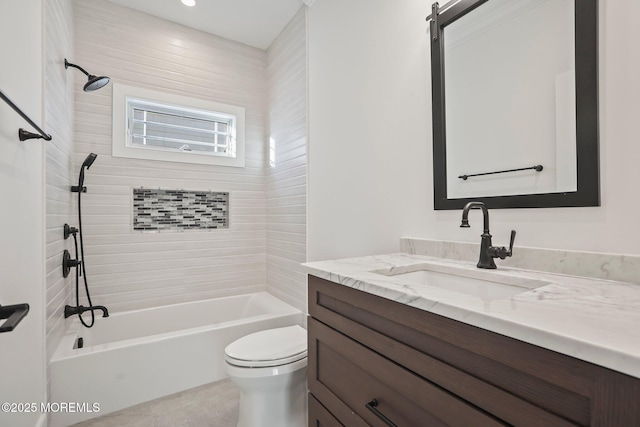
(23, 135)
(68, 64)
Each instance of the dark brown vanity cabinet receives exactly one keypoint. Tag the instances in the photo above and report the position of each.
(377, 362)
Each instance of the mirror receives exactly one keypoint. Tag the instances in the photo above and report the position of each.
(515, 121)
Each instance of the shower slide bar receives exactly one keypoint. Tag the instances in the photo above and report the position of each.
(14, 314)
(537, 168)
(23, 135)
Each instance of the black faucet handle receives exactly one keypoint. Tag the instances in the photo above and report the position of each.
(513, 238)
(502, 252)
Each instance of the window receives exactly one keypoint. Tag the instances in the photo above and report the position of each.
(165, 127)
(158, 126)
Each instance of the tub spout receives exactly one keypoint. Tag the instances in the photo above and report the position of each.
(105, 312)
(70, 310)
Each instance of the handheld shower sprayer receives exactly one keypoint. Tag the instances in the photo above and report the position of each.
(80, 261)
(86, 164)
(88, 161)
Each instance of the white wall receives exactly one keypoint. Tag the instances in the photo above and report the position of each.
(128, 269)
(22, 209)
(286, 181)
(370, 162)
(58, 89)
(369, 126)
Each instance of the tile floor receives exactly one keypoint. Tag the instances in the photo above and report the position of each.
(210, 405)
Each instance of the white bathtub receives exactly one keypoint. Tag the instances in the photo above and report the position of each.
(132, 357)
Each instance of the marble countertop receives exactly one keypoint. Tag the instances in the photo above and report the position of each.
(590, 319)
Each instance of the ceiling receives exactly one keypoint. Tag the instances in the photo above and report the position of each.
(253, 22)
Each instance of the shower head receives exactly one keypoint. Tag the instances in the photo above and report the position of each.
(89, 160)
(93, 83)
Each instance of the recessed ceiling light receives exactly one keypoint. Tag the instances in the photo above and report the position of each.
(189, 2)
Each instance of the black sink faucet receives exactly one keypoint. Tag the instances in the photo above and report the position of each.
(487, 251)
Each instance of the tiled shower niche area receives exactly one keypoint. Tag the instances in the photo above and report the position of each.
(156, 210)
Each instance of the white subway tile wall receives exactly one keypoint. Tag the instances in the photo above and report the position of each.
(59, 87)
(128, 269)
(287, 179)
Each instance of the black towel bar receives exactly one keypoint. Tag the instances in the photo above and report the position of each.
(537, 168)
(14, 314)
(23, 135)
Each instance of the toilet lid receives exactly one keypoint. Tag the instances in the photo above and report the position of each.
(272, 347)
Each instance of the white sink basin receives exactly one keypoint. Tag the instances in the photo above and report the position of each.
(492, 288)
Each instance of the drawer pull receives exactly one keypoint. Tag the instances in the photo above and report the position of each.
(372, 407)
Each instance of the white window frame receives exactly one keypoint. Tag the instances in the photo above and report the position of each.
(122, 147)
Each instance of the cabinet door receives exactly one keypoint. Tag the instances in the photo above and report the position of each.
(319, 416)
(343, 373)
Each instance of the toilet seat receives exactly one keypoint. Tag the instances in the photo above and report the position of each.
(269, 348)
(264, 363)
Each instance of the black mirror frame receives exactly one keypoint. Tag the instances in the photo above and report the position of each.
(586, 63)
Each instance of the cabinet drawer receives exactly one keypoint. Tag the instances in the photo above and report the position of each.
(355, 375)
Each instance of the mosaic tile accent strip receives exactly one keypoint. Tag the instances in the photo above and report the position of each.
(179, 210)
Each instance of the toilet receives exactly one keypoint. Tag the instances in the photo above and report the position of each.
(270, 368)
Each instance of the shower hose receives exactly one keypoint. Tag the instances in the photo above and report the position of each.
(82, 265)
